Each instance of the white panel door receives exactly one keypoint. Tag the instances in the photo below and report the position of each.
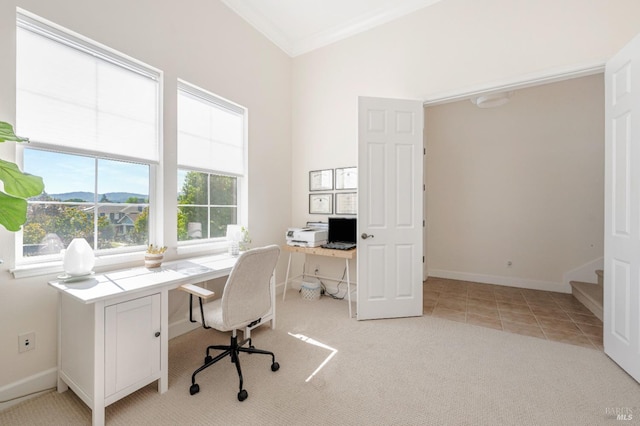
(622, 209)
(390, 182)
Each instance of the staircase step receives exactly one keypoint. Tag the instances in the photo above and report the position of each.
(590, 295)
(600, 274)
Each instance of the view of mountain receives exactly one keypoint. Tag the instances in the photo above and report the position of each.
(114, 197)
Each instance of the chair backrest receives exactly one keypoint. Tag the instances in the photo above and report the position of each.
(247, 293)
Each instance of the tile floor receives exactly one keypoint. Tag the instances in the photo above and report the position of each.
(543, 314)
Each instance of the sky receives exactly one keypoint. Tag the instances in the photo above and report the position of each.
(63, 173)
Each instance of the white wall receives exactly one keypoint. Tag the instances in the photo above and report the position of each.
(450, 46)
(200, 41)
(523, 182)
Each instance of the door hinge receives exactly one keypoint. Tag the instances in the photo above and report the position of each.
(422, 259)
(424, 151)
(424, 223)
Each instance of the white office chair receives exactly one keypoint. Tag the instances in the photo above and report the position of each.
(245, 300)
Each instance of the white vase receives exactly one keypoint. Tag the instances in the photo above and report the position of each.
(78, 257)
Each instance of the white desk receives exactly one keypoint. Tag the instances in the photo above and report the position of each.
(319, 251)
(113, 329)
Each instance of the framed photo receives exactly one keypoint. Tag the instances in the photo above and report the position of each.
(347, 203)
(320, 203)
(321, 180)
(347, 178)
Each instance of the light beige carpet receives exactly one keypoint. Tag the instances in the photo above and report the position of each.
(411, 371)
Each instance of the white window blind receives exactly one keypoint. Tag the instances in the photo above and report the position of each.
(211, 132)
(76, 95)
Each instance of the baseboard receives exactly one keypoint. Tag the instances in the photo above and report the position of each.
(27, 388)
(183, 326)
(590, 295)
(585, 273)
(501, 280)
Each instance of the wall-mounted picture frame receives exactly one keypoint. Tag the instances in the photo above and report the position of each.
(321, 180)
(320, 203)
(346, 178)
(346, 203)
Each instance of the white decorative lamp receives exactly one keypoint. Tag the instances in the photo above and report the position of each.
(78, 258)
(234, 236)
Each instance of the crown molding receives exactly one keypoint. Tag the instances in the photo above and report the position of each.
(357, 25)
(260, 23)
(520, 82)
(331, 35)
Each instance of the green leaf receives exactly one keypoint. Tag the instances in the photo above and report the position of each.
(7, 134)
(13, 212)
(20, 184)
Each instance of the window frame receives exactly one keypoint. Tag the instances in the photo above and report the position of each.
(44, 264)
(218, 243)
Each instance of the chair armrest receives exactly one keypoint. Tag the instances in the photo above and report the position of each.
(197, 291)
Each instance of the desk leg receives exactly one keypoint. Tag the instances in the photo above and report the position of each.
(62, 386)
(272, 284)
(97, 410)
(348, 288)
(163, 382)
(286, 278)
(97, 414)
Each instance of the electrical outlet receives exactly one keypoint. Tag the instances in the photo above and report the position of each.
(26, 341)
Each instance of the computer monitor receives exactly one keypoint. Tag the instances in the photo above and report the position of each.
(342, 230)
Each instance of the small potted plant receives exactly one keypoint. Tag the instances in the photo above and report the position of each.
(154, 256)
(246, 240)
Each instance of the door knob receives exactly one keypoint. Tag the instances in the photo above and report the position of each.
(157, 334)
(364, 236)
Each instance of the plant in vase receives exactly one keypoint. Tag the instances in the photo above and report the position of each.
(246, 240)
(154, 255)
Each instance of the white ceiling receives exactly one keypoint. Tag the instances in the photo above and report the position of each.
(299, 26)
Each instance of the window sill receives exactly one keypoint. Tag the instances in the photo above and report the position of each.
(202, 248)
(36, 269)
(27, 270)
(116, 261)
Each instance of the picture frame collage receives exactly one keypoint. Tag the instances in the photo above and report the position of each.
(331, 188)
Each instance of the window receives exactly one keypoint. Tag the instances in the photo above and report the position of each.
(93, 119)
(211, 164)
(115, 190)
(207, 203)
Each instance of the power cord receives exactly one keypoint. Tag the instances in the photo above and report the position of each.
(323, 288)
(335, 295)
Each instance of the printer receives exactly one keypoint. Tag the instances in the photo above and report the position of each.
(306, 237)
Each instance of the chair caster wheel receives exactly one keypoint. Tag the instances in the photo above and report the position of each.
(194, 389)
(275, 366)
(242, 395)
(207, 359)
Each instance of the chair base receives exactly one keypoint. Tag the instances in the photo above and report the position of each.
(232, 350)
